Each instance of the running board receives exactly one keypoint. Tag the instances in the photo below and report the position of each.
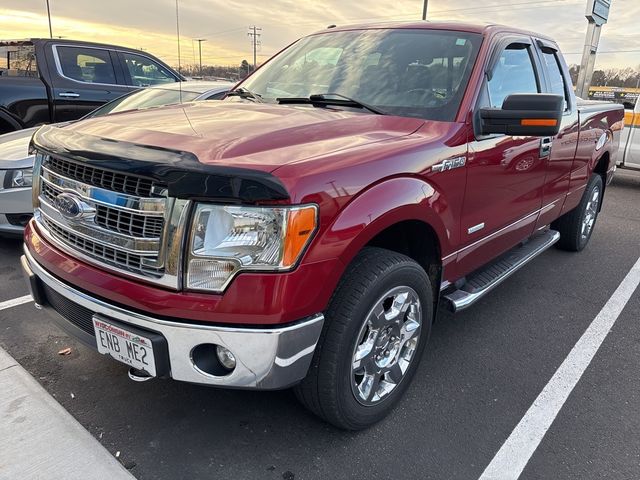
(482, 281)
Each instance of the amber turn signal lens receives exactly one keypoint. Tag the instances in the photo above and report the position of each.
(539, 122)
(300, 227)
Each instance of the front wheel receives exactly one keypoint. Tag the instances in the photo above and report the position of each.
(376, 327)
(577, 226)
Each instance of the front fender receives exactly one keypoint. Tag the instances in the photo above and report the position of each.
(379, 207)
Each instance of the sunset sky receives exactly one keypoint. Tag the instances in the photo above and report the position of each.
(151, 24)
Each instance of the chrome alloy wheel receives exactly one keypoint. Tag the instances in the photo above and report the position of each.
(386, 345)
(590, 213)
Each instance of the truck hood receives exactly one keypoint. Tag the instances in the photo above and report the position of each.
(248, 135)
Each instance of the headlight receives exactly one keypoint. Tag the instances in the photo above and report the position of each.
(18, 178)
(229, 239)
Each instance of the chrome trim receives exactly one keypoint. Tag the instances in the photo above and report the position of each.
(108, 238)
(123, 201)
(475, 228)
(450, 164)
(172, 249)
(168, 279)
(267, 358)
(497, 232)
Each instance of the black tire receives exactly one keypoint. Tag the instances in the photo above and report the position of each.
(570, 225)
(327, 389)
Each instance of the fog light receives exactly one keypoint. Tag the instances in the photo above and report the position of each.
(226, 358)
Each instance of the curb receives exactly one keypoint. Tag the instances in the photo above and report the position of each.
(40, 439)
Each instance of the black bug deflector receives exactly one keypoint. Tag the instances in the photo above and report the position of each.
(180, 172)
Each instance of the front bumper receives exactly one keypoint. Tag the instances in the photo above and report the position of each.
(267, 358)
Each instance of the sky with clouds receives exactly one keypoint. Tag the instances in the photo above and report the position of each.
(151, 24)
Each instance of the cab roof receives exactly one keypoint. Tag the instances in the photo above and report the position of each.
(479, 28)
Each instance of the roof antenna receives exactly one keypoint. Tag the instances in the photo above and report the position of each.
(179, 66)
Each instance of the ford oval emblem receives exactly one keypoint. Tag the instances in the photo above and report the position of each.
(71, 206)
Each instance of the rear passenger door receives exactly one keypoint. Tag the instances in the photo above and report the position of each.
(505, 174)
(85, 78)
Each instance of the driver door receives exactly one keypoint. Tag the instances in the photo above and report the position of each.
(505, 174)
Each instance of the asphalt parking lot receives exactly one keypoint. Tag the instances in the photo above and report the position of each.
(481, 372)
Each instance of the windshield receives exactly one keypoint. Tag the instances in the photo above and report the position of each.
(150, 97)
(416, 73)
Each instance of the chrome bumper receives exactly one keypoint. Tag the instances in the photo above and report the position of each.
(267, 358)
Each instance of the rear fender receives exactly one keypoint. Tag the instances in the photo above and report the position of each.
(10, 120)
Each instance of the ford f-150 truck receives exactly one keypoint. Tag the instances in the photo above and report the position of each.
(52, 80)
(304, 231)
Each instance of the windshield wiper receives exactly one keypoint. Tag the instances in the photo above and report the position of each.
(325, 99)
(245, 93)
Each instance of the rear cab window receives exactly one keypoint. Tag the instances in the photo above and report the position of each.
(88, 65)
(554, 71)
(18, 59)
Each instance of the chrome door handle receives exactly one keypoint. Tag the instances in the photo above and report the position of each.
(68, 95)
(545, 146)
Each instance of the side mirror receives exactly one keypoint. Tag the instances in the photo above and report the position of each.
(531, 114)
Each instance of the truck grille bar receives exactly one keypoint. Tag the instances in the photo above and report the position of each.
(117, 182)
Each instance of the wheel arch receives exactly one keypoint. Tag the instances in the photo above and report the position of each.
(404, 214)
(602, 167)
(8, 123)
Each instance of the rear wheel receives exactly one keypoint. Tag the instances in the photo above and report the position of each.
(577, 226)
(376, 327)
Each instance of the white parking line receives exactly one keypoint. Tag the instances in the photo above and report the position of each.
(15, 302)
(515, 453)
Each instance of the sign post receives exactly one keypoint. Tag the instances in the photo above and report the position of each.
(597, 14)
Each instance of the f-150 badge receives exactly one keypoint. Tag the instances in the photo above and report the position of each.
(450, 164)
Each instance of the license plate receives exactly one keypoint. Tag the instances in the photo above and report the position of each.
(124, 346)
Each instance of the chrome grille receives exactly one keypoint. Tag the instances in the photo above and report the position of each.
(106, 254)
(143, 226)
(116, 182)
(93, 215)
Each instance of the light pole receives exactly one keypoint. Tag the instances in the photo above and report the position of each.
(597, 14)
(49, 17)
(424, 9)
(200, 40)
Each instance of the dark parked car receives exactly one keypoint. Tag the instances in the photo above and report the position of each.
(48, 80)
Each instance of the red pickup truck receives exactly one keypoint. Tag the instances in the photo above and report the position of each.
(304, 231)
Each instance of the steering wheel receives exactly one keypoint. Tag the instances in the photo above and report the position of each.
(424, 95)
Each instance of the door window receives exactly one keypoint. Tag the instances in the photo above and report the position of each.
(555, 75)
(90, 65)
(145, 72)
(514, 73)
